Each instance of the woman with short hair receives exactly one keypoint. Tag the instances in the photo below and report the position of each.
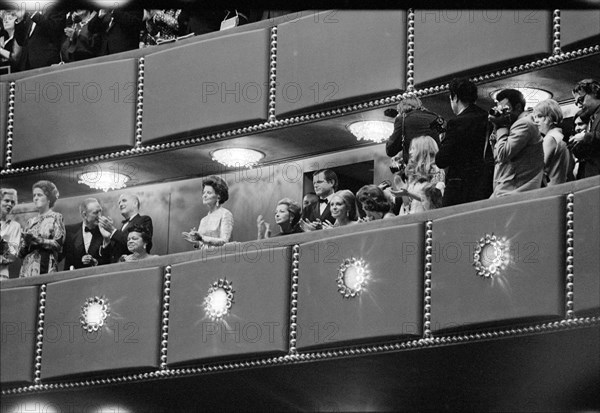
(287, 216)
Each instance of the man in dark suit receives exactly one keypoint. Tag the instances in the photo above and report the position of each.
(586, 145)
(40, 34)
(115, 240)
(119, 30)
(83, 240)
(517, 144)
(469, 176)
(325, 183)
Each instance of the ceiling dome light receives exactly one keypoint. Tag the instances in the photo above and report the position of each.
(237, 157)
(371, 130)
(103, 180)
(533, 96)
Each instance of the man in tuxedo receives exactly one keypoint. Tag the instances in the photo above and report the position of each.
(586, 144)
(325, 183)
(83, 240)
(40, 34)
(469, 177)
(115, 240)
(119, 29)
(517, 145)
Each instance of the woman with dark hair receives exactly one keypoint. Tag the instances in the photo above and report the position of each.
(42, 239)
(287, 216)
(139, 242)
(374, 202)
(343, 209)
(216, 227)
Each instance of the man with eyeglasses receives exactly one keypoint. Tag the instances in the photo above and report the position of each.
(586, 144)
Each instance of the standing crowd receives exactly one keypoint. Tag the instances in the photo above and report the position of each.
(477, 155)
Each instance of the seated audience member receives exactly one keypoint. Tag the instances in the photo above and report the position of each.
(119, 30)
(40, 35)
(80, 43)
(374, 203)
(420, 171)
(115, 240)
(557, 158)
(9, 230)
(10, 50)
(343, 209)
(43, 236)
(412, 120)
(578, 126)
(139, 242)
(216, 227)
(586, 145)
(84, 239)
(517, 145)
(287, 216)
(160, 26)
(469, 177)
(325, 183)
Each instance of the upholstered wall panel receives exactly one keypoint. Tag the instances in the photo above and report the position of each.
(75, 111)
(579, 28)
(532, 283)
(334, 55)
(451, 41)
(586, 247)
(388, 306)
(18, 318)
(129, 337)
(207, 85)
(4, 88)
(257, 322)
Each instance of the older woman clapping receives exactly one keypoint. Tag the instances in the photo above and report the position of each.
(287, 216)
(43, 236)
(216, 227)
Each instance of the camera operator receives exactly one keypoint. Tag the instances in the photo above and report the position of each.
(517, 145)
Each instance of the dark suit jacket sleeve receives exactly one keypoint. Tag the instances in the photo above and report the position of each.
(394, 143)
(50, 23)
(448, 153)
(128, 18)
(98, 24)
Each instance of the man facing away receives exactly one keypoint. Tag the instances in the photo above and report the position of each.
(517, 145)
(469, 176)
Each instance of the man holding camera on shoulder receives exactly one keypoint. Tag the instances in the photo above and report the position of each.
(517, 145)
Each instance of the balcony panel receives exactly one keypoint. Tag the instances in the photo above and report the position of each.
(18, 315)
(130, 336)
(390, 304)
(327, 57)
(257, 322)
(75, 111)
(586, 248)
(206, 85)
(532, 284)
(579, 28)
(452, 41)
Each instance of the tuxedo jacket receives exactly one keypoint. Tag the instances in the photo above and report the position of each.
(74, 248)
(313, 213)
(119, 31)
(118, 241)
(469, 176)
(41, 47)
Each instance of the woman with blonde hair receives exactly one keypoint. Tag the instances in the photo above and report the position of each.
(420, 171)
(557, 158)
(343, 209)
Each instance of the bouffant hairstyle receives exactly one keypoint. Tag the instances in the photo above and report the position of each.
(350, 201)
(550, 108)
(49, 190)
(372, 198)
(219, 185)
(293, 208)
(143, 231)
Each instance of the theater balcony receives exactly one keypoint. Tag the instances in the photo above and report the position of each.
(493, 305)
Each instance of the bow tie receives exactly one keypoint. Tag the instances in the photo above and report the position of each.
(323, 200)
(86, 229)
